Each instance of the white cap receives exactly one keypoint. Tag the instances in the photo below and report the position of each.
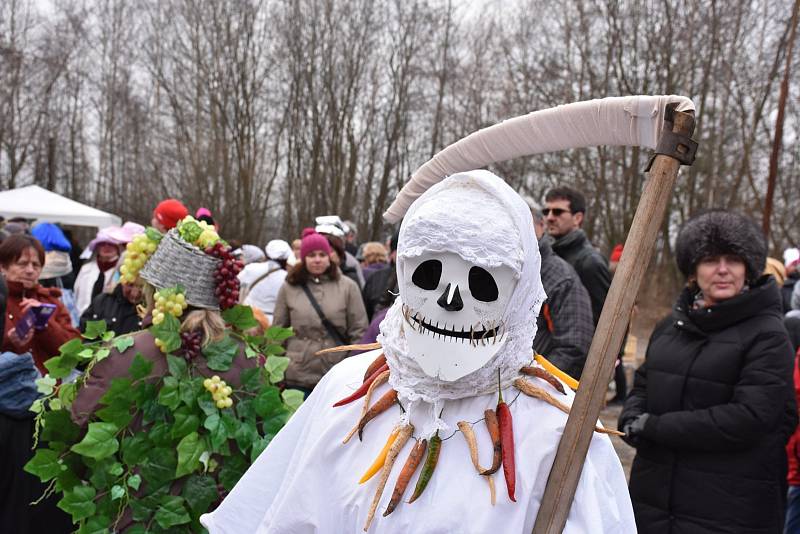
(278, 249)
(791, 255)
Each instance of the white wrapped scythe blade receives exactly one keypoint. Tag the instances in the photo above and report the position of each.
(615, 121)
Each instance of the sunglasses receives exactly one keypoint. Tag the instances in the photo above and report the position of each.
(555, 211)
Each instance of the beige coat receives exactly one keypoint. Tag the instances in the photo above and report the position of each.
(341, 303)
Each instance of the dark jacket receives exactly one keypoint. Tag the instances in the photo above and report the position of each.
(591, 266)
(113, 308)
(564, 326)
(376, 287)
(717, 383)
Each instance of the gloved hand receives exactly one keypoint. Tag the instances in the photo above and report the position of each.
(633, 429)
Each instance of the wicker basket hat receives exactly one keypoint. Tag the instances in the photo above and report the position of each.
(177, 262)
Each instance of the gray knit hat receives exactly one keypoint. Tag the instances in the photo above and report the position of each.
(715, 233)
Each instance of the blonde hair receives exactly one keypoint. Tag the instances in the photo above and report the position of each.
(374, 252)
(209, 322)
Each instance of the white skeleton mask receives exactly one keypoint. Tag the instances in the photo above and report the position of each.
(454, 313)
(469, 220)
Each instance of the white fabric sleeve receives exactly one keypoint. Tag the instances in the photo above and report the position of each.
(614, 121)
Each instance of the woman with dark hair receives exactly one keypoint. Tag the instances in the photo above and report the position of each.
(323, 307)
(713, 405)
(21, 262)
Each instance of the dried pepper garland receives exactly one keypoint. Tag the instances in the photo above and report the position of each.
(498, 422)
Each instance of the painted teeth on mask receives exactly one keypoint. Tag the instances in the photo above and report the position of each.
(487, 334)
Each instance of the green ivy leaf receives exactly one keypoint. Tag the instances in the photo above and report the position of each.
(200, 491)
(123, 343)
(218, 434)
(108, 335)
(293, 398)
(245, 435)
(45, 385)
(153, 235)
(116, 469)
(144, 507)
(58, 426)
(188, 390)
(99, 442)
(168, 332)
(102, 354)
(189, 450)
(219, 355)
(66, 393)
(251, 378)
(134, 481)
(158, 469)
(240, 317)
(274, 350)
(250, 352)
(135, 449)
(277, 334)
(169, 395)
(44, 464)
(78, 502)
(95, 329)
(117, 492)
(276, 366)
(61, 366)
(117, 414)
(232, 470)
(140, 366)
(268, 402)
(171, 512)
(118, 391)
(177, 366)
(159, 434)
(185, 423)
(245, 411)
(97, 525)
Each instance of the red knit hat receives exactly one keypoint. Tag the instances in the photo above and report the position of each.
(169, 212)
(312, 242)
(616, 254)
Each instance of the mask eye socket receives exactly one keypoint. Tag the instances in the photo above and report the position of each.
(482, 285)
(427, 274)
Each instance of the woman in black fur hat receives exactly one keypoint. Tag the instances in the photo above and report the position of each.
(713, 405)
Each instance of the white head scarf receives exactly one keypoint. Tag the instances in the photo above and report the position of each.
(479, 217)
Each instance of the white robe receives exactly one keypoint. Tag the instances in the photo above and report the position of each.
(306, 480)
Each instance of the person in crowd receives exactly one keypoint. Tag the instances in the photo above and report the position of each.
(19, 489)
(382, 281)
(333, 229)
(323, 307)
(74, 256)
(791, 260)
(21, 261)
(351, 238)
(564, 212)
(792, 523)
(261, 292)
(204, 214)
(167, 214)
(58, 270)
(564, 326)
(249, 254)
(118, 309)
(713, 405)
(375, 258)
(775, 268)
(97, 276)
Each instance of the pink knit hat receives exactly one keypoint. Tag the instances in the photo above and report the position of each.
(312, 242)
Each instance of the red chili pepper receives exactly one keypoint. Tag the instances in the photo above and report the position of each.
(507, 441)
(376, 364)
(361, 391)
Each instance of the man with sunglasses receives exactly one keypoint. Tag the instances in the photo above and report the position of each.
(564, 211)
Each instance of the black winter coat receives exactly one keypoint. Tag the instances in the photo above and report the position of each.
(118, 313)
(717, 383)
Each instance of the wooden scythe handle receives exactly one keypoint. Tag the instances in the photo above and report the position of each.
(572, 449)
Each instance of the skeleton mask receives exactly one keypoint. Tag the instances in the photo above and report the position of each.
(453, 313)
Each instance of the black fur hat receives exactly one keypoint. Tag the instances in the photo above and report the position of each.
(715, 233)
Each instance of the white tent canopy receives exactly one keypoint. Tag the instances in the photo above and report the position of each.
(34, 202)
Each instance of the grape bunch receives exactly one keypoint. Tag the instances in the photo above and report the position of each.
(220, 391)
(191, 344)
(137, 252)
(225, 275)
(169, 300)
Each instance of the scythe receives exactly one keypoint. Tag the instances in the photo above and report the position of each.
(663, 123)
